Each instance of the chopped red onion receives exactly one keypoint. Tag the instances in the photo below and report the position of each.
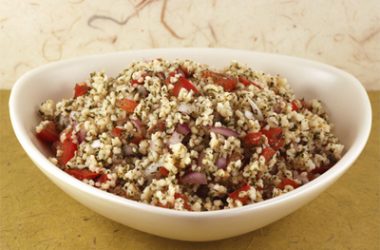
(142, 90)
(175, 138)
(221, 163)
(183, 129)
(139, 126)
(224, 131)
(128, 150)
(194, 178)
(81, 134)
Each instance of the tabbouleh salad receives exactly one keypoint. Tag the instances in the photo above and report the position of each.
(180, 135)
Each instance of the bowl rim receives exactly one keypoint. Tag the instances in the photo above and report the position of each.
(44, 164)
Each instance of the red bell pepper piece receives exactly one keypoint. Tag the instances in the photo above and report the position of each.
(183, 83)
(228, 83)
(68, 148)
(235, 194)
(163, 171)
(275, 139)
(137, 139)
(80, 89)
(116, 132)
(268, 153)
(82, 174)
(253, 139)
(49, 133)
(247, 82)
(127, 105)
(185, 200)
(103, 178)
(287, 181)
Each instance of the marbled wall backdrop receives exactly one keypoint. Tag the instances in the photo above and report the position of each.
(343, 33)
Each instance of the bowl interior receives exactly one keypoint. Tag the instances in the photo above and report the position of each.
(341, 93)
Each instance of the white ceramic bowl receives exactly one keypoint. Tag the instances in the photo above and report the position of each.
(345, 98)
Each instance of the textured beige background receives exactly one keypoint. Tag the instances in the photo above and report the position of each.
(342, 33)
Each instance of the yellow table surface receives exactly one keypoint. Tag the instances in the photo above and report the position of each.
(35, 214)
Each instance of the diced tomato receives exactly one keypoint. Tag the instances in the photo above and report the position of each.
(273, 133)
(286, 182)
(253, 139)
(180, 71)
(235, 194)
(321, 169)
(318, 171)
(180, 196)
(275, 139)
(247, 82)
(295, 105)
(177, 88)
(136, 139)
(80, 89)
(68, 148)
(185, 200)
(82, 174)
(116, 132)
(268, 153)
(103, 178)
(127, 105)
(244, 81)
(49, 133)
(163, 171)
(212, 74)
(167, 205)
(183, 83)
(228, 83)
(134, 81)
